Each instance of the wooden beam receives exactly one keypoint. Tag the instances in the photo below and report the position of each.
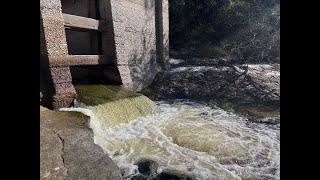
(78, 22)
(77, 60)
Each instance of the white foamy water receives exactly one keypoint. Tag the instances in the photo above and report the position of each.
(204, 142)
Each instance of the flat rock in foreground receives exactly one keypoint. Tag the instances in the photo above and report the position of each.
(67, 149)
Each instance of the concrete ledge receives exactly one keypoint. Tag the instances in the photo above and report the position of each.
(74, 60)
(78, 22)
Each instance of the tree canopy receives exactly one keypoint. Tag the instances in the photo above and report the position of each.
(241, 30)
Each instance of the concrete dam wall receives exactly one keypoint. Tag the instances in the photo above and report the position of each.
(123, 42)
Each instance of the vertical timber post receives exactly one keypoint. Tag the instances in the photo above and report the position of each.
(60, 91)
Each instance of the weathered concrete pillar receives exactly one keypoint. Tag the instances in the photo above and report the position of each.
(131, 39)
(162, 32)
(109, 47)
(165, 23)
(58, 91)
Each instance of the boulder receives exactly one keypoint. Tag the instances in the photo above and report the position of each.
(68, 151)
(147, 167)
(174, 175)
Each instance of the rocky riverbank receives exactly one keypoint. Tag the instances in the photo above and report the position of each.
(218, 79)
(68, 151)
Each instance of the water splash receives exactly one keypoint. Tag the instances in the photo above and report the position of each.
(204, 142)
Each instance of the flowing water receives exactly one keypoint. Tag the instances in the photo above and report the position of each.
(195, 139)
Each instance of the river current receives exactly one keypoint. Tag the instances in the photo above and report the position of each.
(204, 142)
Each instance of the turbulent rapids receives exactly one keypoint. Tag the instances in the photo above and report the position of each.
(200, 141)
